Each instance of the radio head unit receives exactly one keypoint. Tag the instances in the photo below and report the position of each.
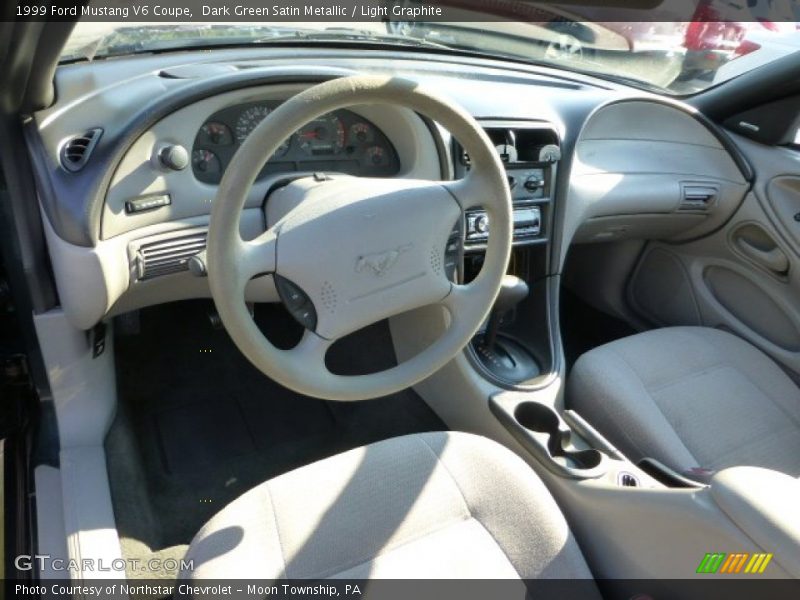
(527, 224)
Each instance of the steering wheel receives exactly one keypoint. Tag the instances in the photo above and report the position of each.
(357, 250)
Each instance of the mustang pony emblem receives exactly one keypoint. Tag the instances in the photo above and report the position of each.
(380, 262)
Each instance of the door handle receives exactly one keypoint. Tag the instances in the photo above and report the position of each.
(774, 259)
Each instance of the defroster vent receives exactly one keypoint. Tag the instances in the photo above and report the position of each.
(167, 256)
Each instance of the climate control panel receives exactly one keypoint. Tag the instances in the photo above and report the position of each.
(526, 184)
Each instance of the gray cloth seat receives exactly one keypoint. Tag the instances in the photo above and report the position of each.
(434, 505)
(690, 397)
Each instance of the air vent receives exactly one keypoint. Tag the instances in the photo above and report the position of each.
(76, 151)
(520, 146)
(698, 196)
(167, 256)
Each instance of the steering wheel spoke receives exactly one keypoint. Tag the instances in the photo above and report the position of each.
(453, 301)
(467, 192)
(256, 257)
(464, 299)
(311, 350)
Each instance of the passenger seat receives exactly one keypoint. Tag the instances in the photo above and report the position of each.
(694, 398)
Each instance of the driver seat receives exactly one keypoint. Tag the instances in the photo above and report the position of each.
(433, 505)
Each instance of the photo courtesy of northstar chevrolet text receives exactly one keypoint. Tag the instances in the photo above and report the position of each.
(389, 299)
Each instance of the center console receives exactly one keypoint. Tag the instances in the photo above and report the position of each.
(514, 349)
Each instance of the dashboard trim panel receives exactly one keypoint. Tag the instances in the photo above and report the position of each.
(140, 174)
(132, 97)
(75, 211)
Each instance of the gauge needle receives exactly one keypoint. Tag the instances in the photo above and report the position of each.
(309, 134)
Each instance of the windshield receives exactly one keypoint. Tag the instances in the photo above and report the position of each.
(669, 57)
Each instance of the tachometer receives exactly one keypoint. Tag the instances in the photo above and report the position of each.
(249, 120)
(322, 136)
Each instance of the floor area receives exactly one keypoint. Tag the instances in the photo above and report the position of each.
(198, 425)
(583, 327)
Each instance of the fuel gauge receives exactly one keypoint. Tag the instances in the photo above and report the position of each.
(206, 165)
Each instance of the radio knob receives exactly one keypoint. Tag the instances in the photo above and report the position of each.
(533, 183)
(550, 154)
(482, 224)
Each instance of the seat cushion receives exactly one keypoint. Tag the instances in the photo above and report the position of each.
(434, 505)
(690, 397)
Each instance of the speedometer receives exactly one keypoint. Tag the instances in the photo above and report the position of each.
(249, 120)
(322, 136)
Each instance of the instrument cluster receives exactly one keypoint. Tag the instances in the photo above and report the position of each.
(341, 141)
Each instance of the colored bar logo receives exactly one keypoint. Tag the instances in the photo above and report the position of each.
(731, 564)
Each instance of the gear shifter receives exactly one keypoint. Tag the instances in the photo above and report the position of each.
(513, 290)
(500, 354)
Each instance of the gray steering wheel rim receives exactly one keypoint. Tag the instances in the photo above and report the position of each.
(302, 369)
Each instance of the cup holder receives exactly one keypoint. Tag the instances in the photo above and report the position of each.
(542, 419)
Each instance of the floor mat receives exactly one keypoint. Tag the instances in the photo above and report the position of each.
(198, 425)
(220, 426)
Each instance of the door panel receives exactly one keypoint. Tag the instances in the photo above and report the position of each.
(740, 296)
(783, 195)
(758, 246)
(745, 277)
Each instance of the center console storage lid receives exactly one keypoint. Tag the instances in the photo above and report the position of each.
(763, 504)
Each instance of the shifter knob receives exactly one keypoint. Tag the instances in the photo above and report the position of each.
(513, 290)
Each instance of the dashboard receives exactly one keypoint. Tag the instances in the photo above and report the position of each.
(628, 165)
(341, 141)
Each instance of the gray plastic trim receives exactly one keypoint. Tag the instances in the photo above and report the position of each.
(74, 204)
(94, 282)
(763, 504)
(50, 530)
(633, 158)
